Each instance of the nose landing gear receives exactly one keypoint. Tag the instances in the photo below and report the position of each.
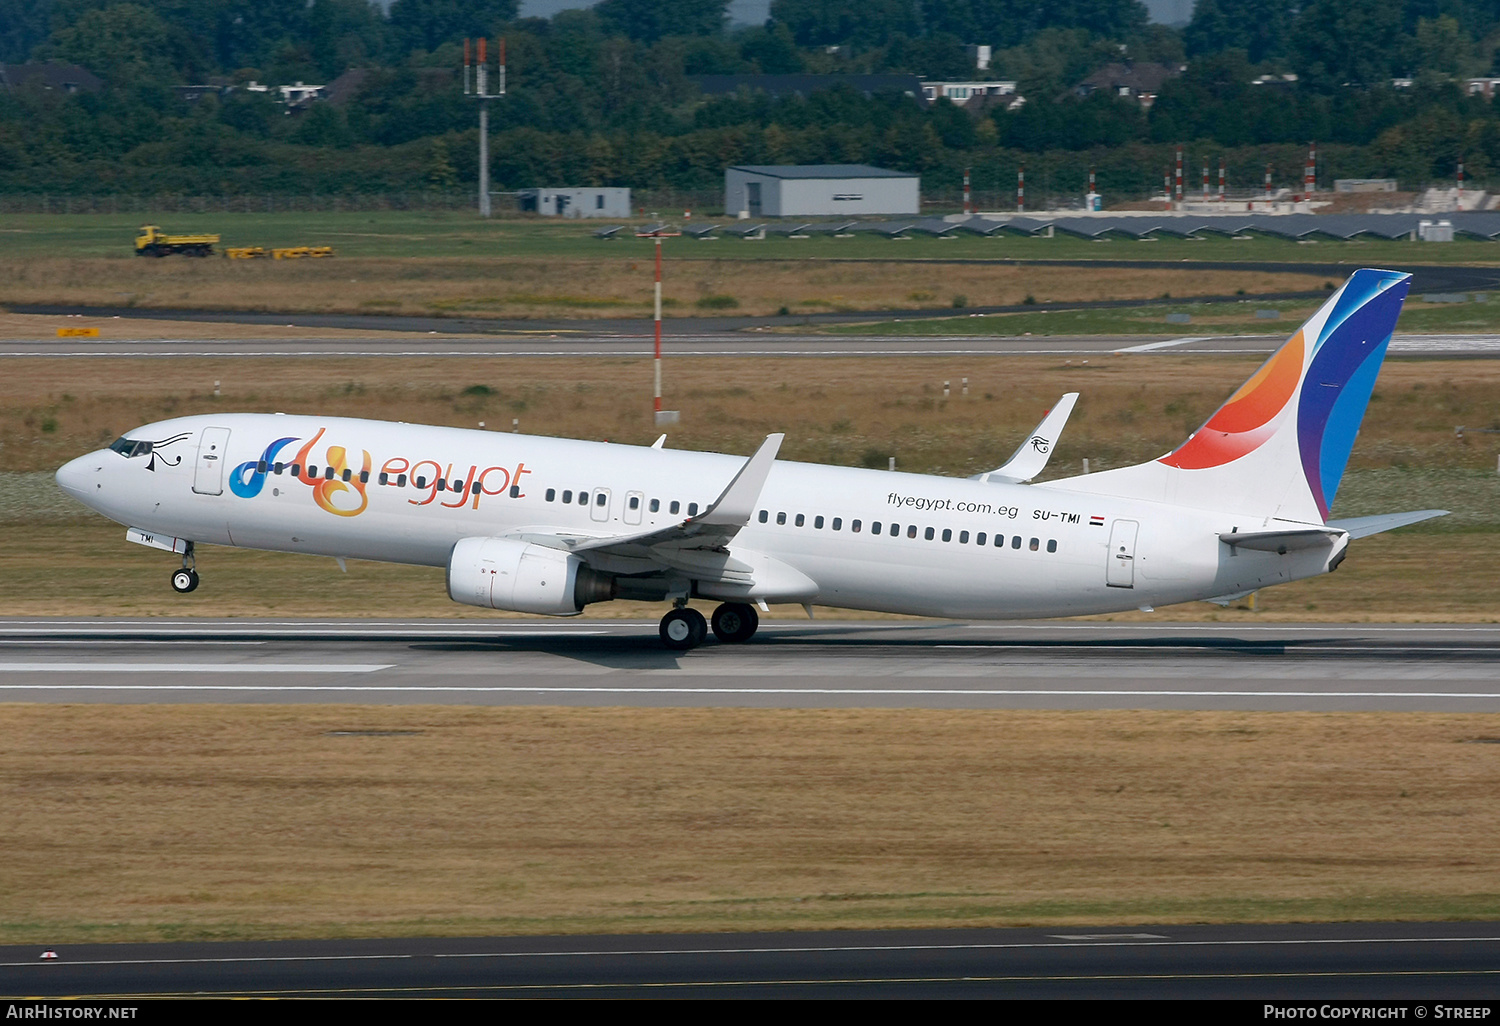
(186, 579)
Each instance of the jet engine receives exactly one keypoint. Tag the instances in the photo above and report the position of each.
(503, 573)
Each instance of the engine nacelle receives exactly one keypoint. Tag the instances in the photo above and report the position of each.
(502, 573)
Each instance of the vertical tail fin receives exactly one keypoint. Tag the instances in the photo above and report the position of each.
(1279, 445)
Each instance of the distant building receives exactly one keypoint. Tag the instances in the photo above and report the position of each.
(819, 190)
(1485, 87)
(299, 95)
(1283, 81)
(806, 85)
(61, 78)
(1138, 82)
(594, 201)
(962, 92)
(1364, 185)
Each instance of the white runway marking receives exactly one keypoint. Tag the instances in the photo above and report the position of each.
(1137, 941)
(186, 668)
(1149, 346)
(419, 689)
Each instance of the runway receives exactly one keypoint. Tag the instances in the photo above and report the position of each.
(796, 664)
(741, 344)
(1456, 962)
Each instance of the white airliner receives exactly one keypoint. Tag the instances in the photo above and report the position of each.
(549, 525)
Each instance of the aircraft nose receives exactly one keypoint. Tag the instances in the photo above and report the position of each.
(80, 477)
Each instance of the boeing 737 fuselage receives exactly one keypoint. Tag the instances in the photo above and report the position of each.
(549, 525)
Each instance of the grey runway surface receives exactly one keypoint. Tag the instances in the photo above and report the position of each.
(579, 344)
(797, 664)
(1366, 961)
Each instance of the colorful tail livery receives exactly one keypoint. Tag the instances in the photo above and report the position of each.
(1279, 446)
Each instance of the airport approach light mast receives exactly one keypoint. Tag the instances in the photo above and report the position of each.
(477, 87)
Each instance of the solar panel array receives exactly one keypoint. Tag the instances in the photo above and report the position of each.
(1474, 224)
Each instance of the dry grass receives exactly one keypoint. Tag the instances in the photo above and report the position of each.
(849, 411)
(1441, 577)
(604, 286)
(158, 822)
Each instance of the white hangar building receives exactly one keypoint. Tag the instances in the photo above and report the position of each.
(819, 190)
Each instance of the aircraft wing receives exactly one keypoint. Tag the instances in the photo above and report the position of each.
(696, 545)
(1031, 458)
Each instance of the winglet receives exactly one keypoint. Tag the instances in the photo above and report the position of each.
(735, 506)
(1031, 458)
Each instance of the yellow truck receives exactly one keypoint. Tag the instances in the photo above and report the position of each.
(155, 243)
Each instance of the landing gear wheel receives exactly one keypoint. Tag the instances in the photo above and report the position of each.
(735, 622)
(184, 580)
(682, 629)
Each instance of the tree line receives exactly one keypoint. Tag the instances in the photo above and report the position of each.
(604, 95)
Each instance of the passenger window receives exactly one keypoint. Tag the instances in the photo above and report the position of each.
(672, 509)
(818, 523)
(854, 526)
(312, 471)
(583, 498)
(692, 509)
(420, 482)
(328, 473)
(874, 526)
(800, 519)
(400, 480)
(295, 470)
(764, 516)
(656, 506)
(600, 499)
(1015, 542)
(963, 538)
(364, 477)
(1051, 544)
(979, 539)
(459, 486)
(385, 478)
(838, 523)
(635, 502)
(928, 534)
(442, 484)
(947, 535)
(515, 491)
(551, 494)
(260, 468)
(279, 468)
(781, 518)
(911, 531)
(1034, 545)
(567, 495)
(348, 473)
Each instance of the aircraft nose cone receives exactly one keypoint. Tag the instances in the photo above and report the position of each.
(80, 477)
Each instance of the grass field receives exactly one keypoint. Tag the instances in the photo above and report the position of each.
(454, 264)
(844, 411)
(1417, 317)
(220, 822)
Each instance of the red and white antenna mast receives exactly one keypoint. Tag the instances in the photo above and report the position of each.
(476, 86)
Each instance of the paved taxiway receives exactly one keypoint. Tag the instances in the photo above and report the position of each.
(578, 344)
(798, 664)
(1391, 961)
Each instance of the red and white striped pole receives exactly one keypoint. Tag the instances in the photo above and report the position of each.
(968, 209)
(1268, 183)
(656, 402)
(1177, 191)
(1205, 183)
(1310, 175)
(1221, 179)
(1021, 190)
(468, 69)
(1460, 182)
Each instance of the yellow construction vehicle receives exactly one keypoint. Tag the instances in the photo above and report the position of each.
(154, 242)
(300, 252)
(244, 252)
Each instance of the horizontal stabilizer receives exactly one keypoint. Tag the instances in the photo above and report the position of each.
(1363, 527)
(1031, 458)
(1282, 541)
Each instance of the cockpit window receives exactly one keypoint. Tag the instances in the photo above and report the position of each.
(131, 447)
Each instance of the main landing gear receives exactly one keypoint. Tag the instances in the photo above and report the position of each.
(186, 579)
(684, 628)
